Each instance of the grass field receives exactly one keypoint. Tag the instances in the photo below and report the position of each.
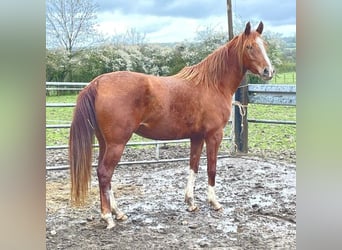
(287, 78)
(261, 136)
(272, 137)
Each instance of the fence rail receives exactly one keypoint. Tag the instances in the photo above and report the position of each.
(270, 94)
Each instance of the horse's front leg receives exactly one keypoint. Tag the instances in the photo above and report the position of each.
(195, 154)
(212, 143)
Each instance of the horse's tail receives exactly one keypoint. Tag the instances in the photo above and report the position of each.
(81, 138)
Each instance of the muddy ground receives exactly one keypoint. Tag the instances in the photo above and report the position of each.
(258, 195)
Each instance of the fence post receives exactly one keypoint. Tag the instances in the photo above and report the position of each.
(240, 122)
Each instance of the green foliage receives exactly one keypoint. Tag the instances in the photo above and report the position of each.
(135, 55)
(286, 66)
(177, 60)
(254, 79)
(56, 65)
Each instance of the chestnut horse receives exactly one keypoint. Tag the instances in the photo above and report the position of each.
(195, 103)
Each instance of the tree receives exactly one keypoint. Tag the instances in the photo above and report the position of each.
(131, 37)
(209, 38)
(70, 22)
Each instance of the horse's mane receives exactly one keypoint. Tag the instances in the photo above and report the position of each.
(213, 68)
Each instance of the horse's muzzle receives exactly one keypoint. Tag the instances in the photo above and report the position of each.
(267, 73)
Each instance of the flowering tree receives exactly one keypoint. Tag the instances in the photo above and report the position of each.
(69, 23)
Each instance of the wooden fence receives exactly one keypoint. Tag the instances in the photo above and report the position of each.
(270, 94)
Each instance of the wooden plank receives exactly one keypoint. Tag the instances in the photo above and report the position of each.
(272, 94)
(272, 88)
(269, 99)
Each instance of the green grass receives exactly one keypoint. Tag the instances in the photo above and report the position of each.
(273, 137)
(58, 116)
(286, 78)
(261, 136)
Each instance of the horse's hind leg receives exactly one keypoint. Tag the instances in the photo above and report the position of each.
(110, 159)
(196, 150)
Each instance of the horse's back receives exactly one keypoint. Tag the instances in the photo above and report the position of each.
(122, 81)
(127, 99)
(154, 107)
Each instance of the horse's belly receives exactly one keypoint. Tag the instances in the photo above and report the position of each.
(163, 131)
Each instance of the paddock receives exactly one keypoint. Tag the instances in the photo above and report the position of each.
(258, 195)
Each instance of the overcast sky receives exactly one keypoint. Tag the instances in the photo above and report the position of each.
(178, 20)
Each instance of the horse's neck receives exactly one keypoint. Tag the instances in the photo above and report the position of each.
(231, 81)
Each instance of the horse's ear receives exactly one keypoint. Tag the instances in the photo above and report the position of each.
(260, 28)
(248, 29)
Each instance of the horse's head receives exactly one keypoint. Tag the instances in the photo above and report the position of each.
(255, 58)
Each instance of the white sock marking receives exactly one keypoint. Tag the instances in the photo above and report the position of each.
(189, 191)
(112, 201)
(211, 194)
(212, 198)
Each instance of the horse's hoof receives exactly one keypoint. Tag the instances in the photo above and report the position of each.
(110, 225)
(218, 209)
(216, 206)
(108, 219)
(193, 208)
(121, 217)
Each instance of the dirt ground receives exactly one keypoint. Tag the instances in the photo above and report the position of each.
(258, 195)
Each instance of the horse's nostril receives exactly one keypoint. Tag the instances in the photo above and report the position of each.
(266, 71)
